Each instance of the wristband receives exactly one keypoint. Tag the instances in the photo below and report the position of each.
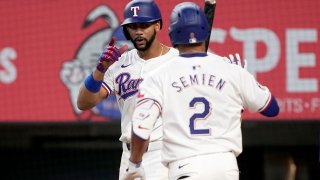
(92, 85)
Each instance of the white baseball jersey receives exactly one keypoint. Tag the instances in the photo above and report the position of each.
(201, 100)
(123, 79)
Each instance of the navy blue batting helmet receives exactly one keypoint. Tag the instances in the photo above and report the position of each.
(141, 11)
(188, 24)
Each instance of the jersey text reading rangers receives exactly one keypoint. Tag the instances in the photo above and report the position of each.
(123, 79)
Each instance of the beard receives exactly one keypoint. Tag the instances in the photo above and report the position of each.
(148, 42)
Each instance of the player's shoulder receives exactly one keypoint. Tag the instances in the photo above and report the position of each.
(162, 68)
(130, 56)
(165, 58)
(223, 61)
(215, 56)
(222, 64)
(173, 52)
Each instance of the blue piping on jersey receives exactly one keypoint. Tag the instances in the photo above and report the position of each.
(272, 108)
(202, 54)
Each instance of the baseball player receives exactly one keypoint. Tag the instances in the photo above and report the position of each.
(200, 99)
(121, 73)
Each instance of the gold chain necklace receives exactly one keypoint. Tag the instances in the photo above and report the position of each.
(161, 50)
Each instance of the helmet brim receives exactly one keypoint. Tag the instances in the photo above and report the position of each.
(138, 20)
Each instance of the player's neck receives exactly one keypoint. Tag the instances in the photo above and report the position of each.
(191, 48)
(155, 50)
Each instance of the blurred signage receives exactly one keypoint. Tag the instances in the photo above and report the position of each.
(48, 48)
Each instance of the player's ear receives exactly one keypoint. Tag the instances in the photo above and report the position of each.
(158, 26)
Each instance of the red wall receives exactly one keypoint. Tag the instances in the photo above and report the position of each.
(46, 51)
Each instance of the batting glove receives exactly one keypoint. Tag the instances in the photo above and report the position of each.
(134, 171)
(237, 60)
(109, 54)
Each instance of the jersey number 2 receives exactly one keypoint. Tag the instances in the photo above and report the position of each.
(199, 116)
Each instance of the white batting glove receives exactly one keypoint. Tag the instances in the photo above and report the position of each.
(237, 60)
(134, 172)
(211, 1)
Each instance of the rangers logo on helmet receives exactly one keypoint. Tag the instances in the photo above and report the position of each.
(135, 10)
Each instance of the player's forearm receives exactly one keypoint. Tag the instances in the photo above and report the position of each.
(91, 93)
(138, 147)
(87, 100)
(97, 75)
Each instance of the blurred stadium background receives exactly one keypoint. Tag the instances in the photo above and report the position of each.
(47, 48)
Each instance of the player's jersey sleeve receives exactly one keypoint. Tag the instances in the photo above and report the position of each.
(148, 109)
(256, 97)
(107, 83)
(150, 88)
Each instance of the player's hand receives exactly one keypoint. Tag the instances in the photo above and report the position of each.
(210, 1)
(235, 59)
(134, 171)
(110, 55)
